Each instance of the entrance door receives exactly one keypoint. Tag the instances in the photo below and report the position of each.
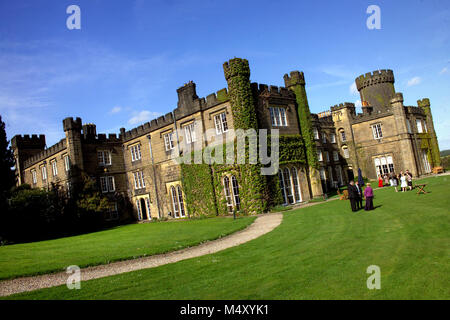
(143, 209)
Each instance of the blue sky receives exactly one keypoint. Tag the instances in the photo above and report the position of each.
(123, 67)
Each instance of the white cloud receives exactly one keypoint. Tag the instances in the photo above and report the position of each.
(353, 89)
(414, 81)
(115, 110)
(444, 70)
(143, 116)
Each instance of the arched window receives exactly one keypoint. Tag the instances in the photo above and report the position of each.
(237, 200)
(226, 187)
(297, 191)
(180, 200)
(174, 202)
(288, 185)
(283, 193)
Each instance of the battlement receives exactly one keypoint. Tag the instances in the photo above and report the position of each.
(71, 124)
(377, 76)
(295, 78)
(28, 142)
(414, 110)
(398, 98)
(147, 127)
(344, 105)
(324, 114)
(272, 91)
(236, 67)
(58, 147)
(424, 103)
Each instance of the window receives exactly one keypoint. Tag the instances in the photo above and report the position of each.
(343, 137)
(316, 134)
(69, 189)
(189, 133)
(168, 141)
(408, 125)
(34, 176)
(107, 184)
(288, 185)
(335, 156)
(319, 155)
(139, 210)
(136, 153)
(176, 209)
(180, 201)
(376, 130)
(228, 198)
(419, 126)
(54, 168)
(66, 163)
(112, 213)
(426, 163)
(333, 138)
(346, 153)
(139, 182)
(237, 200)
(220, 121)
(104, 158)
(339, 175)
(324, 138)
(330, 173)
(44, 173)
(327, 156)
(278, 117)
(297, 191)
(384, 165)
(322, 174)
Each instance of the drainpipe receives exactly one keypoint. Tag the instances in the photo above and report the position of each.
(154, 176)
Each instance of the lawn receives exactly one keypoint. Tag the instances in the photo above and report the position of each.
(318, 252)
(120, 243)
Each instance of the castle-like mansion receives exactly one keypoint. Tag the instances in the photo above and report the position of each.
(319, 152)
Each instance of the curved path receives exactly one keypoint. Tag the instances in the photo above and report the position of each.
(262, 225)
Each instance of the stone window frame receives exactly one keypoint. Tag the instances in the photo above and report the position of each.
(135, 151)
(54, 165)
(278, 116)
(169, 143)
(106, 157)
(33, 176)
(377, 130)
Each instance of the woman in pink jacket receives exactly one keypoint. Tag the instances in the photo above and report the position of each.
(368, 194)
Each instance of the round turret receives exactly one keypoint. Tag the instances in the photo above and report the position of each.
(376, 88)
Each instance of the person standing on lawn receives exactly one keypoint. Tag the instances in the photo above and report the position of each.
(368, 194)
(352, 195)
(380, 181)
(409, 179)
(404, 183)
(360, 195)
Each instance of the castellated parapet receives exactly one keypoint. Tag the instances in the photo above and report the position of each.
(378, 76)
(28, 142)
(295, 78)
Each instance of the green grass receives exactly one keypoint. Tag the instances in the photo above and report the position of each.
(121, 243)
(318, 252)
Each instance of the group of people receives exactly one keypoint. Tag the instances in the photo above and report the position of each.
(394, 180)
(356, 195)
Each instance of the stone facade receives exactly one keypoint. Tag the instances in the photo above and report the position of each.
(138, 164)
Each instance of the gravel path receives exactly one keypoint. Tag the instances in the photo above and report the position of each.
(262, 225)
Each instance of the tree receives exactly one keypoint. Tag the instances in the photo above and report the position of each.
(6, 162)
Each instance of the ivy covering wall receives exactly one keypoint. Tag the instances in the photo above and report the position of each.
(434, 153)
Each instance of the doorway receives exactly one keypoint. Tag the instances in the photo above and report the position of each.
(143, 209)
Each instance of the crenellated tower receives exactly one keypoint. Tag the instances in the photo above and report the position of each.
(425, 105)
(296, 82)
(25, 147)
(376, 88)
(72, 128)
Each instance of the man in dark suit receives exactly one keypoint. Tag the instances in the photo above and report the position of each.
(352, 195)
(360, 195)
